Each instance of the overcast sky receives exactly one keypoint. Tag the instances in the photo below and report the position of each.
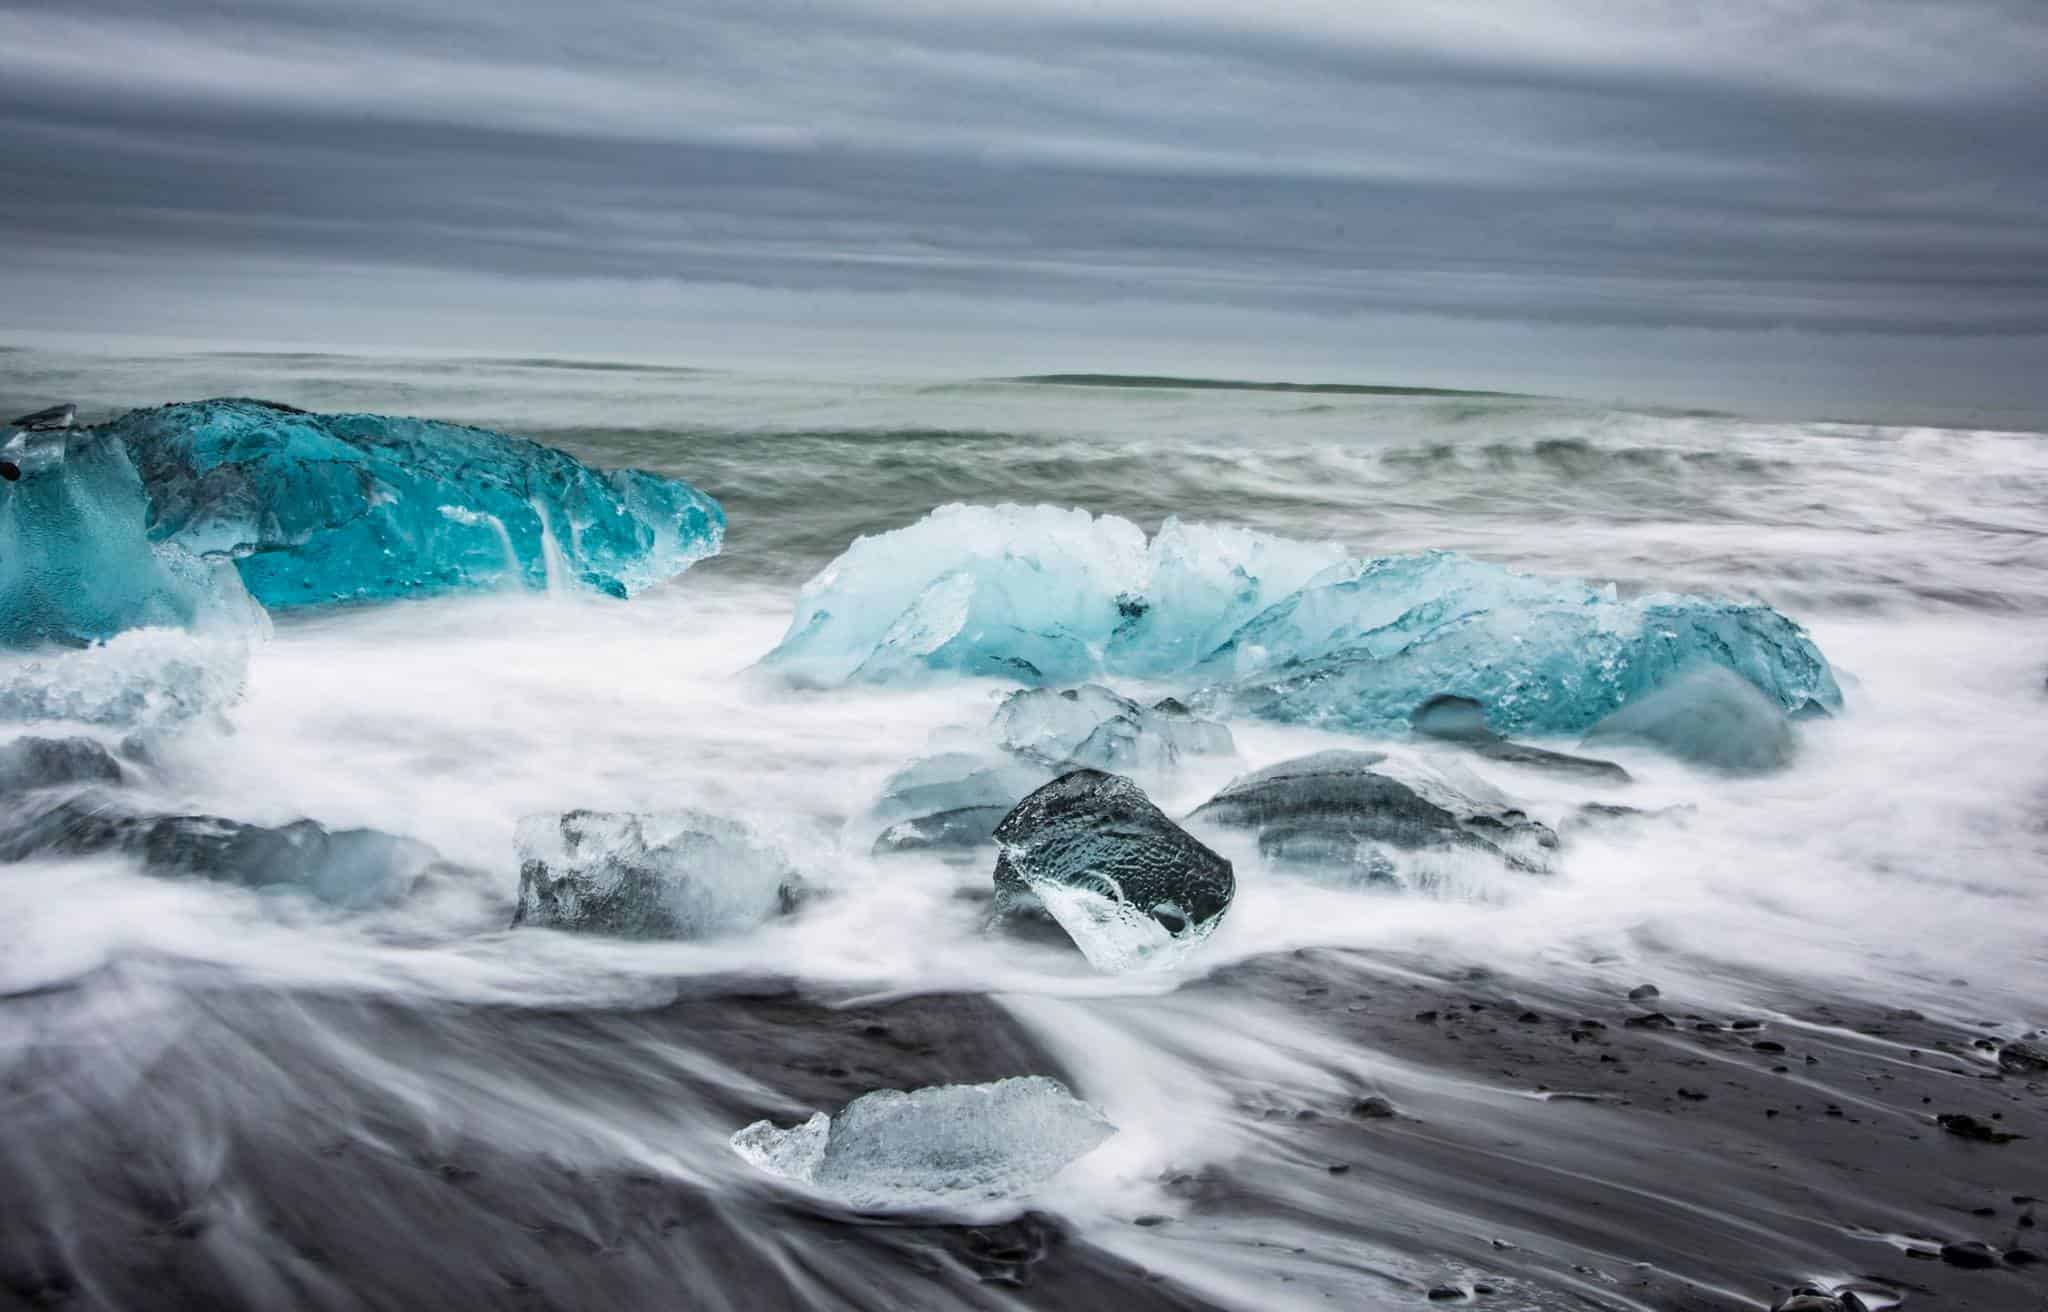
(1835, 205)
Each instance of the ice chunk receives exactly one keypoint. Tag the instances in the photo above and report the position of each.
(1047, 596)
(1356, 817)
(31, 763)
(1026, 593)
(322, 508)
(1462, 722)
(954, 1144)
(951, 802)
(1129, 886)
(346, 867)
(1708, 716)
(663, 874)
(1033, 593)
(1362, 647)
(142, 679)
(76, 565)
(1093, 726)
(1202, 583)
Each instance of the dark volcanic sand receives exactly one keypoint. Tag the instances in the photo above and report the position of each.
(170, 1144)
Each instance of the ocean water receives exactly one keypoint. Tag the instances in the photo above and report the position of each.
(238, 1100)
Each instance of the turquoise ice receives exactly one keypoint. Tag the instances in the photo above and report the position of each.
(323, 508)
(76, 565)
(1265, 626)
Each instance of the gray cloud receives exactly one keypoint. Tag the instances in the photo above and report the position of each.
(1875, 169)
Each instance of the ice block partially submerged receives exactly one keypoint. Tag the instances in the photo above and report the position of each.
(323, 508)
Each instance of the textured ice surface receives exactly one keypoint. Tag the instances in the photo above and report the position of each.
(1285, 630)
(142, 679)
(953, 1144)
(1355, 817)
(1093, 726)
(1709, 717)
(1129, 886)
(346, 867)
(76, 563)
(1022, 592)
(321, 508)
(1364, 646)
(663, 874)
(952, 801)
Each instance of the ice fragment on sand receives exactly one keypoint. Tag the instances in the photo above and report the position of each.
(321, 508)
(1092, 726)
(662, 874)
(1127, 884)
(1357, 817)
(952, 1144)
(952, 801)
(1708, 716)
(346, 867)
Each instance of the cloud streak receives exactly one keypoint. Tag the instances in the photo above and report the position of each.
(1869, 168)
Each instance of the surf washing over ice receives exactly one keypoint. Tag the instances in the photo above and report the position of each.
(1028, 909)
(1291, 631)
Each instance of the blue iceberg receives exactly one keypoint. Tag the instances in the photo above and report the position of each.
(1264, 626)
(324, 508)
(1364, 646)
(76, 564)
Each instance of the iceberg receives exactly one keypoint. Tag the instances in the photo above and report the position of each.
(346, 867)
(953, 1144)
(316, 508)
(1363, 647)
(1264, 626)
(1129, 886)
(1354, 817)
(76, 563)
(666, 874)
(1025, 593)
(1092, 726)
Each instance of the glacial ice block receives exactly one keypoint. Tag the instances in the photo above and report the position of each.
(1128, 885)
(1284, 630)
(1363, 647)
(1021, 592)
(952, 1144)
(1354, 817)
(322, 508)
(952, 801)
(1092, 726)
(346, 867)
(76, 564)
(665, 874)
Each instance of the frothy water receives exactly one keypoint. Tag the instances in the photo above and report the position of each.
(1898, 864)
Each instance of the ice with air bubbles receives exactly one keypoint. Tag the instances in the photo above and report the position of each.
(951, 1144)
